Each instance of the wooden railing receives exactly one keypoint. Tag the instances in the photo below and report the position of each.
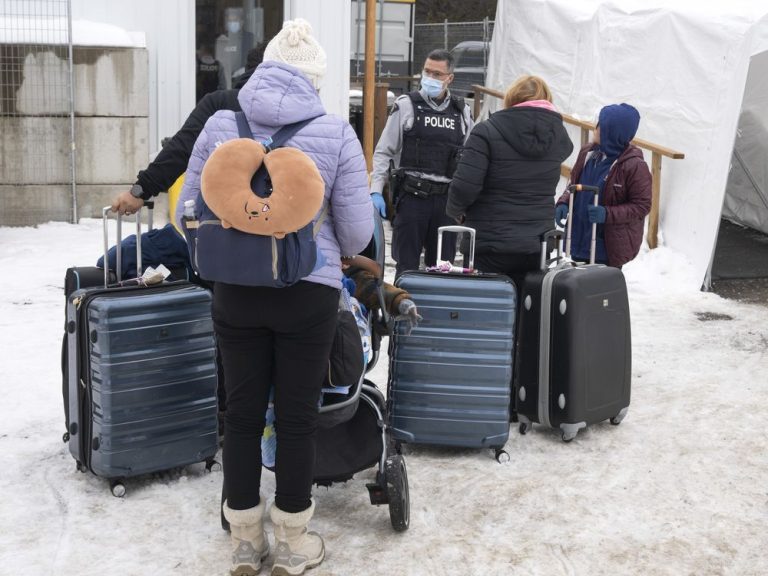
(657, 152)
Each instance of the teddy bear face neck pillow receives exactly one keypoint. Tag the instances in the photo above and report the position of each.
(297, 189)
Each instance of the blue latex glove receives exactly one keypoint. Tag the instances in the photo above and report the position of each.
(596, 214)
(561, 213)
(379, 203)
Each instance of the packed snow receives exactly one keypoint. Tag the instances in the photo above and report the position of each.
(678, 488)
(23, 28)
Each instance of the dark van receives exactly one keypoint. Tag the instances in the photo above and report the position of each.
(470, 62)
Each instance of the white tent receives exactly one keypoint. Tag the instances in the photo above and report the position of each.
(684, 64)
(746, 197)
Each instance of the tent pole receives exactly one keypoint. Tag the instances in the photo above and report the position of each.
(369, 81)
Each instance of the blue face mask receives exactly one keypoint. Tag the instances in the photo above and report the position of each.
(233, 27)
(432, 87)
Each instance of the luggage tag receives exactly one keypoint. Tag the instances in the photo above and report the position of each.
(446, 267)
(150, 277)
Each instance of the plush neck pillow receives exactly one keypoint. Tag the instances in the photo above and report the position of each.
(297, 188)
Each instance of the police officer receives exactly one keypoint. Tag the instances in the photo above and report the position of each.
(422, 138)
(210, 72)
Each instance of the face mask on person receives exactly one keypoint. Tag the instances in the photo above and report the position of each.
(432, 87)
(233, 27)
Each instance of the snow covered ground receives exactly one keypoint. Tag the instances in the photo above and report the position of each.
(679, 488)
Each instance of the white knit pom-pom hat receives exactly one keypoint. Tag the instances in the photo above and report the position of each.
(294, 45)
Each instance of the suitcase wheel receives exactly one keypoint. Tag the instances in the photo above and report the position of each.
(569, 431)
(524, 428)
(65, 437)
(616, 420)
(212, 465)
(117, 488)
(501, 455)
(568, 435)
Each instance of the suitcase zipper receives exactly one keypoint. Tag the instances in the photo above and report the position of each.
(84, 368)
(274, 258)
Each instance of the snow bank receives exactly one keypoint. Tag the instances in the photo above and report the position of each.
(54, 31)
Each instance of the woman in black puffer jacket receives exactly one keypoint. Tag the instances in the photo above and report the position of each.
(505, 183)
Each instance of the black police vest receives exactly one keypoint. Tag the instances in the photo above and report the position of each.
(207, 77)
(432, 143)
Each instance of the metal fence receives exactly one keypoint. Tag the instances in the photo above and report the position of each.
(36, 107)
(468, 41)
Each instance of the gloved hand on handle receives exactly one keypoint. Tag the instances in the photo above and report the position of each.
(561, 213)
(596, 214)
(409, 315)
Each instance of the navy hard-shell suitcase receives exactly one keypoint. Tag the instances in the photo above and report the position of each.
(450, 378)
(574, 354)
(142, 379)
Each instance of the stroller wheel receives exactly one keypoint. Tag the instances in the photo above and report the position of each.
(397, 487)
(394, 447)
(224, 523)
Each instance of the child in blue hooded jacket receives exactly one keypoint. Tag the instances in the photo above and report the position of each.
(619, 170)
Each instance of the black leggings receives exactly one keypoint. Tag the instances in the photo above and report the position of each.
(516, 266)
(277, 337)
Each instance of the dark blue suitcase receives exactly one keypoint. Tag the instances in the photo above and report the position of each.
(450, 379)
(574, 354)
(142, 379)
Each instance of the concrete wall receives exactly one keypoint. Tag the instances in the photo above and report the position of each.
(169, 28)
(110, 150)
(111, 134)
(32, 204)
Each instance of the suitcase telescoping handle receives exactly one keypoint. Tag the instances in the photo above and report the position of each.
(558, 236)
(118, 244)
(573, 189)
(470, 231)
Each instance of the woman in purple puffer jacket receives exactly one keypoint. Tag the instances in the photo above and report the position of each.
(281, 337)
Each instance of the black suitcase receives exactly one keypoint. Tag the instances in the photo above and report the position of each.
(574, 352)
(141, 377)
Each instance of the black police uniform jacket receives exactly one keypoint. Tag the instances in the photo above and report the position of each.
(506, 179)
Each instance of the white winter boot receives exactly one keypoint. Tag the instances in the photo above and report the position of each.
(295, 548)
(249, 540)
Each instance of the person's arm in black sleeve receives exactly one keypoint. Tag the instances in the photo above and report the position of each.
(469, 177)
(172, 160)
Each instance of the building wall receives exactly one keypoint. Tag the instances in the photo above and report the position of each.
(111, 134)
(127, 100)
(331, 21)
(169, 26)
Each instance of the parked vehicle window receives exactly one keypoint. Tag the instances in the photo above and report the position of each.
(471, 59)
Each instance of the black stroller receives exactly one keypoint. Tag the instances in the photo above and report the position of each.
(353, 434)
